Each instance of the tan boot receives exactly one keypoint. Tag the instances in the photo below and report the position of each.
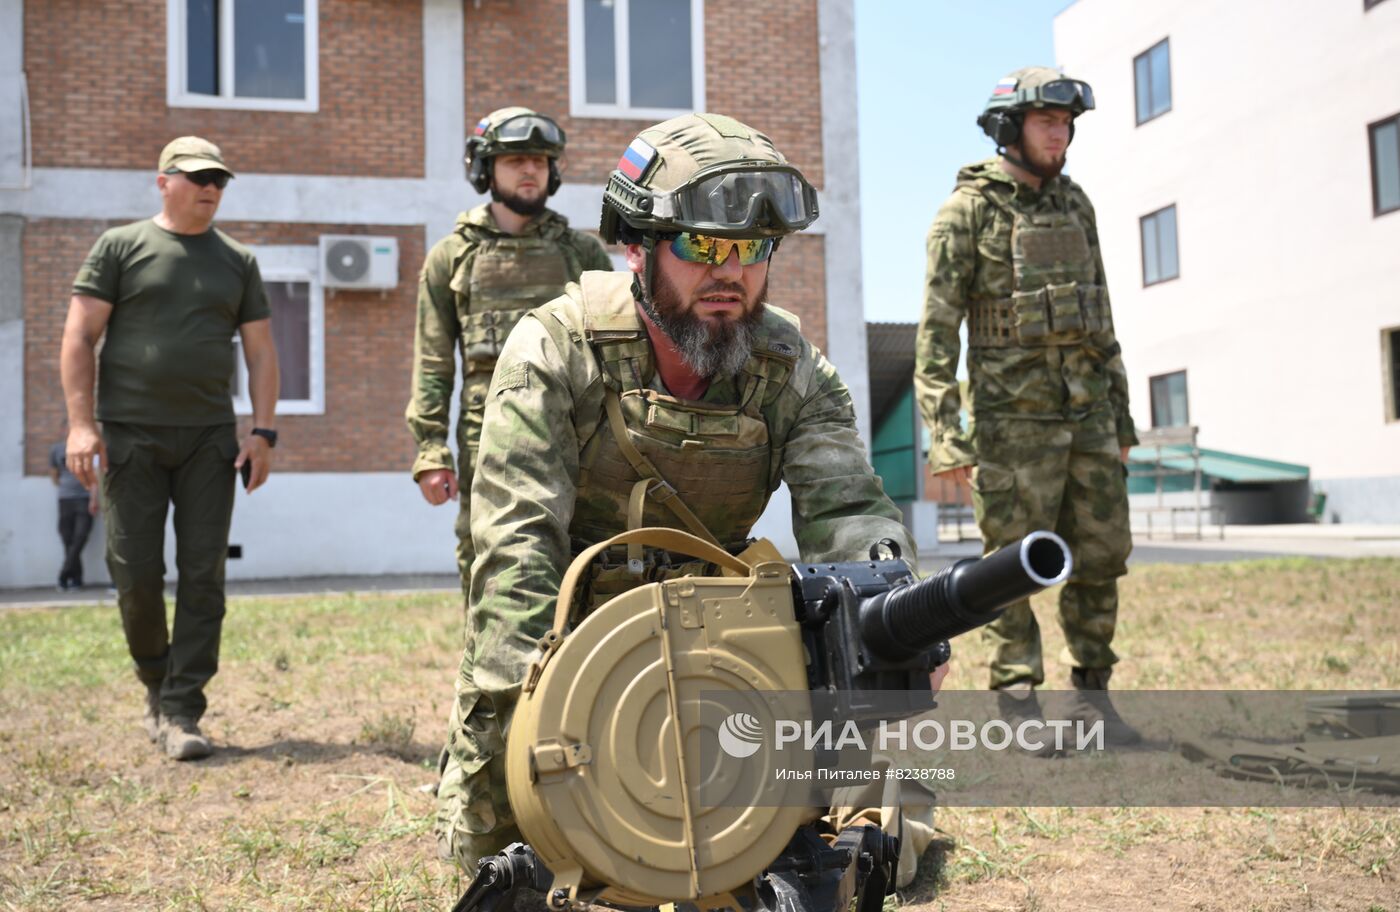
(181, 739)
(150, 721)
(1017, 703)
(1089, 702)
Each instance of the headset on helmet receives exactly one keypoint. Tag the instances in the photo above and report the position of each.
(508, 131)
(1028, 88)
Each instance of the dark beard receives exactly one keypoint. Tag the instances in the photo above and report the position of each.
(520, 205)
(1041, 168)
(711, 349)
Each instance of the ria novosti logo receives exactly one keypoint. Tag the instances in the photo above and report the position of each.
(741, 735)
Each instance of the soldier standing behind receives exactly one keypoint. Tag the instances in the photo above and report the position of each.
(1015, 252)
(504, 258)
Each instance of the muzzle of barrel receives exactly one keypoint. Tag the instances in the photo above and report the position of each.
(903, 623)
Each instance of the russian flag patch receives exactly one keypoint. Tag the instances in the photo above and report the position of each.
(638, 157)
(482, 124)
(1005, 87)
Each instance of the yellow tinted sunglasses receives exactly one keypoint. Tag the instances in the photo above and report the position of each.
(702, 248)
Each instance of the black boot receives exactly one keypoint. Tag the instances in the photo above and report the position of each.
(1017, 703)
(1089, 703)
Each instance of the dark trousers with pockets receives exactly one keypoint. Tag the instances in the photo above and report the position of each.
(74, 527)
(149, 468)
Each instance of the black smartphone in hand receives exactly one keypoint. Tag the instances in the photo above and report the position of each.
(247, 473)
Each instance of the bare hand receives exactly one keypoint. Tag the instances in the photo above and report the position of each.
(935, 677)
(1123, 453)
(438, 486)
(256, 450)
(85, 444)
(961, 475)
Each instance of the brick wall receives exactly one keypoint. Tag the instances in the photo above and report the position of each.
(97, 77)
(797, 283)
(369, 349)
(761, 66)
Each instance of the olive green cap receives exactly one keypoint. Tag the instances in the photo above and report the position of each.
(190, 153)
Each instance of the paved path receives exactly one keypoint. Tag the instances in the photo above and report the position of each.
(1240, 543)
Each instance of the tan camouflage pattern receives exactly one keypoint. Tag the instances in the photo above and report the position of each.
(1047, 395)
(543, 418)
(475, 285)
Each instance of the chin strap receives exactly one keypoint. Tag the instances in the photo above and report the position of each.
(1027, 166)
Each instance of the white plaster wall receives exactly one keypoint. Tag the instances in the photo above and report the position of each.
(1286, 277)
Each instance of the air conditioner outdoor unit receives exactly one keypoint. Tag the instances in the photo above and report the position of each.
(358, 261)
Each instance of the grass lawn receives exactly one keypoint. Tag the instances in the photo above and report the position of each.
(329, 712)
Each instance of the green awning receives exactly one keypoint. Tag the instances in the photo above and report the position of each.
(1214, 464)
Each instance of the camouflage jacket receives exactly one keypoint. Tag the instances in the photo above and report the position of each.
(475, 284)
(547, 404)
(1020, 362)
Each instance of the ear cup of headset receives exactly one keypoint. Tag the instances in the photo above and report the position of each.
(479, 174)
(555, 179)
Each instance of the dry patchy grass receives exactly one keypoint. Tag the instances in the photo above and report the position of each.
(328, 713)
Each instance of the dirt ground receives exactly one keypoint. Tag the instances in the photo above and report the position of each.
(328, 714)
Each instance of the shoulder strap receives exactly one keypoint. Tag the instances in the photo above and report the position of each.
(673, 540)
(658, 488)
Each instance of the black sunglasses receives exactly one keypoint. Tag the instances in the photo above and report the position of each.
(206, 177)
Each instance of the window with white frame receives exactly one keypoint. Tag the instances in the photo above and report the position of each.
(255, 54)
(298, 330)
(636, 58)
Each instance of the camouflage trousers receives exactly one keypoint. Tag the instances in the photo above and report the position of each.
(466, 465)
(1067, 477)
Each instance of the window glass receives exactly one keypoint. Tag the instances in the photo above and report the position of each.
(1151, 269)
(1152, 78)
(599, 50)
(1169, 400)
(1166, 241)
(1161, 80)
(1385, 163)
(659, 53)
(1390, 344)
(1159, 257)
(202, 47)
(291, 331)
(269, 49)
(1144, 88)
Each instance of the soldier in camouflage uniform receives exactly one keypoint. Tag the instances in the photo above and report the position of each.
(504, 258)
(667, 396)
(1015, 253)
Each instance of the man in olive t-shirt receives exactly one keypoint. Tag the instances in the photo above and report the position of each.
(170, 292)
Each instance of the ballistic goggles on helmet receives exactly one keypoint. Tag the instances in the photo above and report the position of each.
(526, 130)
(743, 199)
(715, 251)
(1065, 93)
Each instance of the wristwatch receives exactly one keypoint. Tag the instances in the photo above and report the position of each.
(267, 434)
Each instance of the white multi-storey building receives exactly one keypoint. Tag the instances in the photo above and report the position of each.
(1244, 160)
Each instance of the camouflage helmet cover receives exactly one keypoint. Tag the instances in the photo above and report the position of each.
(528, 131)
(710, 174)
(1039, 87)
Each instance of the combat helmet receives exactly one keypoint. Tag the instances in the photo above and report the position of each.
(1026, 89)
(508, 131)
(706, 174)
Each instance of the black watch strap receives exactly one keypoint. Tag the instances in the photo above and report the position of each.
(267, 434)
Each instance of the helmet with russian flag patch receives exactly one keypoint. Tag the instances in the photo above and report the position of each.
(707, 174)
(512, 131)
(1028, 88)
